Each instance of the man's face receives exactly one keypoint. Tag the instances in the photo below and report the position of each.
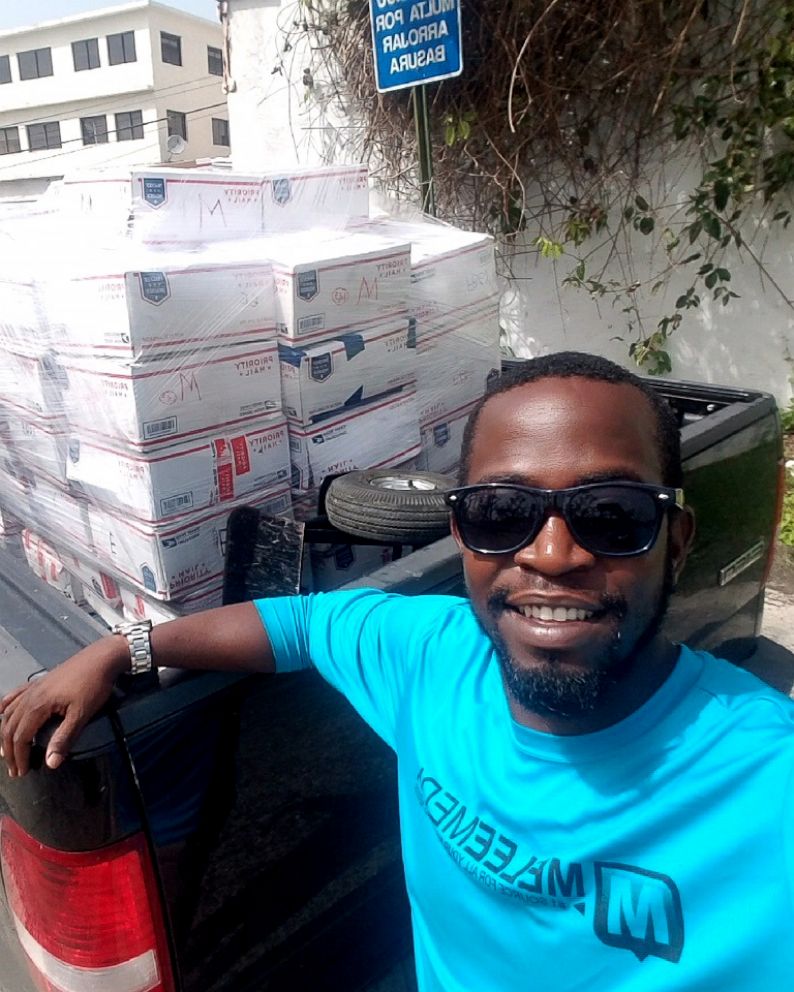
(554, 434)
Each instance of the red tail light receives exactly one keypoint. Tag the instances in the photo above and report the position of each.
(88, 922)
(779, 497)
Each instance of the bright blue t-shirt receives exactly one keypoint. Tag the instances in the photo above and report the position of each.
(652, 856)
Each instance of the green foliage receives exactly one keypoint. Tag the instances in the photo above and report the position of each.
(786, 532)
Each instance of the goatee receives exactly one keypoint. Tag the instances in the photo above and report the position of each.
(551, 687)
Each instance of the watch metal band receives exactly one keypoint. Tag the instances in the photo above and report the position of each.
(139, 641)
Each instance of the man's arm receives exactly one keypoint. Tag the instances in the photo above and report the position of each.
(231, 639)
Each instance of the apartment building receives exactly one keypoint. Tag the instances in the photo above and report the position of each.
(109, 87)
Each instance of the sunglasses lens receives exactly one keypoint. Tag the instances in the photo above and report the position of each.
(614, 520)
(498, 520)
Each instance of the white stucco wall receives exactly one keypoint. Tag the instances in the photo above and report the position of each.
(748, 344)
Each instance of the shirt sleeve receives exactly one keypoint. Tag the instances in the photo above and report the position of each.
(364, 642)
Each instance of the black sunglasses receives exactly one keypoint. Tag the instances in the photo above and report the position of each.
(611, 519)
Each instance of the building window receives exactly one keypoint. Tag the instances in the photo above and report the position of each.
(34, 64)
(220, 132)
(85, 54)
(177, 123)
(171, 48)
(121, 48)
(214, 61)
(5, 69)
(41, 136)
(9, 140)
(129, 126)
(94, 130)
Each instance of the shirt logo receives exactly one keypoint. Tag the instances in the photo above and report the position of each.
(638, 910)
(633, 909)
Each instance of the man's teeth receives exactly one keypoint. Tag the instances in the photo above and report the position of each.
(558, 613)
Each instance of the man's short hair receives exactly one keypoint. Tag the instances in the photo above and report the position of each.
(577, 364)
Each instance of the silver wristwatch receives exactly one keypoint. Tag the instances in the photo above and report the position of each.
(138, 637)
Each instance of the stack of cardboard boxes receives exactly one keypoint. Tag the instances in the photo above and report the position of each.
(175, 343)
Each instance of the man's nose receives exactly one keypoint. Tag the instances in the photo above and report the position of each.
(555, 550)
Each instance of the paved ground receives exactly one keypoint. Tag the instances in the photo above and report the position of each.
(779, 603)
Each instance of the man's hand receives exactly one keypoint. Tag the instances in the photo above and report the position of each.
(75, 691)
(229, 639)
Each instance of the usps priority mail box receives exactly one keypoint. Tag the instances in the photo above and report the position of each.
(32, 383)
(23, 324)
(456, 363)
(442, 439)
(452, 271)
(174, 397)
(381, 433)
(38, 442)
(171, 480)
(53, 510)
(137, 606)
(349, 369)
(155, 302)
(326, 285)
(172, 560)
(190, 206)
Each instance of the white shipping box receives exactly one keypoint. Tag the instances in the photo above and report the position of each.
(54, 510)
(47, 563)
(109, 613)
(34, 383)
(137, 606)
(172, 398)
(378, 434)
(10, 526)
(352, 368)
(23, 325)
(169, 481)
(170, 205)
(442, 438)
(37, 442)
(100, 583)
(328, 285)
(456, 363)
(165, 303)
(452, 271)
(171, 560)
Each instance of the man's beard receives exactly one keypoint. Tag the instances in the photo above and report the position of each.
(550, 687)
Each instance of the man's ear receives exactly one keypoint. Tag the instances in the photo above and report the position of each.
(455, 532)
(682, 534)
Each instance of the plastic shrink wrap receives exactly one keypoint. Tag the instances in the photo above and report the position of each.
(175, 343)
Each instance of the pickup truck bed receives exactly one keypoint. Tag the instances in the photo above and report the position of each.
(264, 809)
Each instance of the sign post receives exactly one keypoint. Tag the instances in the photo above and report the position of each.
(417, 42)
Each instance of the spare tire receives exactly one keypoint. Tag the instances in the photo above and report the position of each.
(390, 505)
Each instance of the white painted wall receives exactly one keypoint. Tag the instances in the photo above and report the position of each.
(148, 85)
(749, 344)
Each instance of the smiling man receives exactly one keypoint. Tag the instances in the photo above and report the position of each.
(584, 805)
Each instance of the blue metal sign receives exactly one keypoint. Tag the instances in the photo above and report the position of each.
(415, 42)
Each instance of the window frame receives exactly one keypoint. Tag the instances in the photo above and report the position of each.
(132, 126)
(180, 119)
(4, 133)
(46, 129)
(38, 56)
(213, 52)
(5, 60)
(167, 37)
(101, 137)
(216, 132)
(91, 53)
(123, 36)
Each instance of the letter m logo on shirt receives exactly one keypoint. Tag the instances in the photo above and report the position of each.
(639, 911)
